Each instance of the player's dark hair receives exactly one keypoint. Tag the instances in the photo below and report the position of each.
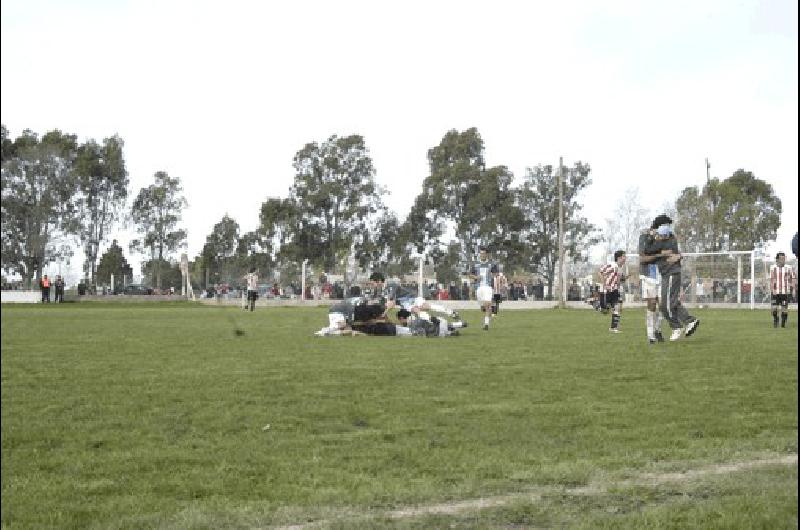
(779, 254)
(403, 313)
(618, 253)
(376, 277)
(662, 219)
(483, 248)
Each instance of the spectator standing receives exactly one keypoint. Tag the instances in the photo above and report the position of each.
(574, 292)
(44, 285)
(453, 291)
(59, 286)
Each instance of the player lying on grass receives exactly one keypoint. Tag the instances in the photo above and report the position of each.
(358, 316)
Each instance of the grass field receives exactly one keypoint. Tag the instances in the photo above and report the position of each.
(159, 416)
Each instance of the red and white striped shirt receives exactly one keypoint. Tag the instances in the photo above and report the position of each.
(781, 279)
(611, 276)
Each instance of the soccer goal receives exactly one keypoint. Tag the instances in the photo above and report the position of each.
(735, 277)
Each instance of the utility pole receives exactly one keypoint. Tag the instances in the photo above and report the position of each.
(562, 285)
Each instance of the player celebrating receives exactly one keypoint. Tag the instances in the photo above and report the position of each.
(664, 246)
(609, 299)
(650, 284)
(781, 283)
(483, 274)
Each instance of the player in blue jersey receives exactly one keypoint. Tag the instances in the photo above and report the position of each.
(483, 273)
(650, 285)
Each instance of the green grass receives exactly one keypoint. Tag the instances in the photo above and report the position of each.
(158, 416)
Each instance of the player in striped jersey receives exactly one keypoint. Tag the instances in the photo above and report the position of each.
(613, 275)
(782, 284)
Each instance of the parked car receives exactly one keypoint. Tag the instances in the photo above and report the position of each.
(137, 289)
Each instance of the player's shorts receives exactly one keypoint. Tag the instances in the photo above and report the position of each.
(650, 287)
(336, 320)
(609, 299)
(252, 295)
(780, 299)
(484, 294)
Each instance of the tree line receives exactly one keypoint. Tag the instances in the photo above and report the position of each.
(56, 190)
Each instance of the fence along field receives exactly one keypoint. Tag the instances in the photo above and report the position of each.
(158, 415)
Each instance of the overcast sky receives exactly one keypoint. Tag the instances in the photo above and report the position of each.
(223, 94)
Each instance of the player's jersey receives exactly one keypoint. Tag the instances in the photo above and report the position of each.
(646, 270)
(501, 284)
(485, 271)
(781, 279)
(612, 275)
(252, 281)
(651, 272)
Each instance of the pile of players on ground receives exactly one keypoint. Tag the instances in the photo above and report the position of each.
(367, 315)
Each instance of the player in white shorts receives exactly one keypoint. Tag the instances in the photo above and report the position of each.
(651, 287)
(483, 274)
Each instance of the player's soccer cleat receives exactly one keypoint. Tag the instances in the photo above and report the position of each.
(651, 341)
(659, 336)
(691, 327)
(676, 334)
(455, 316)
(614, 330)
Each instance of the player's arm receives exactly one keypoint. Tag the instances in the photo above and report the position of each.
(772, 280)
(603, 273)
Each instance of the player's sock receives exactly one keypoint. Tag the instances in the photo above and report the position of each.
(784, 317)
(486, 320)
(614, 321)
(441, 309)
(650, 320)
(775, 317)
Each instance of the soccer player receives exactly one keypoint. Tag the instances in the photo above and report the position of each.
(609, 299)
(782, 284)
(500, 292)
(483, 274)
(424, 325)
(650, 283)
(252, 288)
(664, 246)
